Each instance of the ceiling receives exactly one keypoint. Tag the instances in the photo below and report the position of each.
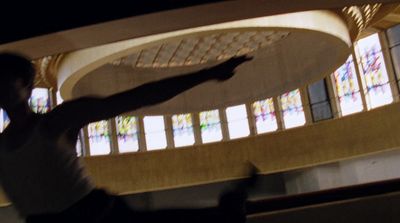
(283, 59)
(201, 49)
(390, 20)
(42, 18)
(39, 29)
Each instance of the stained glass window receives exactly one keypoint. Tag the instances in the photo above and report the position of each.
(210, 126)
(347, 88)
(373, 72)
(99, 138)
(319, 101)
(183, 130)
(155, 132)
(292, 109)
(79, 149)
(238, 124)
(1, 121)
(127, 132)
(264, 113)
(59, 98)
(40, 100)
(4, 120)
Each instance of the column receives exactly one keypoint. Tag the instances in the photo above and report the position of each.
(169, 132)
(306, 105)
(278, 113)
(113, 136)
(196, 128)
(251, 119)
(141, 135)
(85, 140)
(331, 87)
(224, 124)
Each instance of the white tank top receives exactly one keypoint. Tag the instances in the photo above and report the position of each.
(41, 176)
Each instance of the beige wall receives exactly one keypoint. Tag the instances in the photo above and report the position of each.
(324, 142)
(365, 169)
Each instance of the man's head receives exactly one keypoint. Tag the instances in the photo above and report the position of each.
(16, 79)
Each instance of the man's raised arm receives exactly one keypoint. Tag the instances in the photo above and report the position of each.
(82, 111)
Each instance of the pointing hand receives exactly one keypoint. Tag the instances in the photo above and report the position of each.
(226, 70)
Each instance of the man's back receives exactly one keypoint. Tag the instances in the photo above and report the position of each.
(40, 172)
(39, 169)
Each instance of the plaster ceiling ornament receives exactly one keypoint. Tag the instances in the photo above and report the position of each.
(289, 51)
(200, 50)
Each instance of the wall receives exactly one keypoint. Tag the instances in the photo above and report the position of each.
(360, 170)
(322, 142)
(382, 166)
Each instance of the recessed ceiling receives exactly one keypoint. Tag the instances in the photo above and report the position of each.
(280, 67)
(289, 51)
(200, 50)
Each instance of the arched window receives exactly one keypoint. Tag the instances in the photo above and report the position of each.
(99, 138)
(154, 128)
(264, 113)
(347, 89)
(127, 134)
(238, 123)
(182, 126)
(210, 126)
(40, 100)
(373, 72)
(292, 109)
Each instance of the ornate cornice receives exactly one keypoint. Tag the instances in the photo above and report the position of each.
(46, 71)
(359, 18)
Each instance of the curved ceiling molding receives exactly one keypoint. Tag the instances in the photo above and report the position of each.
(275, 66)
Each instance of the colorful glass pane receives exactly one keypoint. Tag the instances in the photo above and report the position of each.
(1, 121)
(347, 88)
(99, 138)
(154, 128)
(4, 120)
(374, 74)
(59, 98)
(127, 133)
(264, 113)
(40, 100)
(183, 130)
(79, 150)
(210, 126)
(238, 124)
(292, 109)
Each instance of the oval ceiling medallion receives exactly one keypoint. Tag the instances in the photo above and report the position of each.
(196, 50)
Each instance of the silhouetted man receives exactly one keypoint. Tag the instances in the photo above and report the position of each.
(40, 171)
